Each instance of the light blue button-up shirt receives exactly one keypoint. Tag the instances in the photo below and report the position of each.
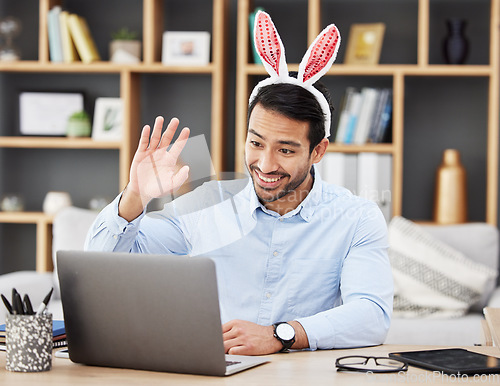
(323, 264)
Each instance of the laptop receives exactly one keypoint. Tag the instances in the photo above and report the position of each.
(145, 312)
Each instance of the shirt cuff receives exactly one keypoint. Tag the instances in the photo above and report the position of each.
(319, 330)
(116, 224)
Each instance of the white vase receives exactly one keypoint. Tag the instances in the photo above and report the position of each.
(55, 201)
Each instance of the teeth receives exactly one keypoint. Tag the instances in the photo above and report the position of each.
(268, 179)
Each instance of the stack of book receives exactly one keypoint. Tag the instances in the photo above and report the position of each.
(70, 39)
(58, 333)
(365, 116)
(368, 175)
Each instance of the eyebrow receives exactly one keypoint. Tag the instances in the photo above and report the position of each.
(289, 143)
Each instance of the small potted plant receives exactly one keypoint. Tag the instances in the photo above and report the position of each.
(125, 46)
(78, 125)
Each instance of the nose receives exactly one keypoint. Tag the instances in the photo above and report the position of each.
(267, 162)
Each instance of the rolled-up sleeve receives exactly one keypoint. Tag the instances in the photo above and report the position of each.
(145, 234)
(366, 286)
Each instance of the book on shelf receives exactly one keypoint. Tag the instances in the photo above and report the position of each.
(345, 105)
(365, 116)
(55, 44)
(58, 333)
(84, 43)
(339, 169)
(68, 46)
(375, 180)
(353, 113)
(365, 174)
(381, 114)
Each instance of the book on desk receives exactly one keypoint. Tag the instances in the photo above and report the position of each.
(58, 333)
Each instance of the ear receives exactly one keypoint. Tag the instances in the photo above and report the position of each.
(320, 55)
(319, 151)
(269, 46)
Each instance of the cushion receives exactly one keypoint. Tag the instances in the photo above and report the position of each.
(478, 241)
(69, 231)
(432, 279)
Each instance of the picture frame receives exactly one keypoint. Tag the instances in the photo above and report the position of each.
(186, 48)
(108, 119)
(47, 113)
(365, 43)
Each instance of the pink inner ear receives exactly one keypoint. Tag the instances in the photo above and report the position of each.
(321, 53)
(267, 42)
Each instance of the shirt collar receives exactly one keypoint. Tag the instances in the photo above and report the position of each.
(305, 209)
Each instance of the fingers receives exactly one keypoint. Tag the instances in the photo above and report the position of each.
(180, 177)
(156, 135)
(157, 140)
(179, 144)
(144, 140)
(167, 136)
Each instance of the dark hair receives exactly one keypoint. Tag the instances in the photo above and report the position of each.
(295, 102)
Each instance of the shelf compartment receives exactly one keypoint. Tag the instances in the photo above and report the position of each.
(57, 143)
(43, 223)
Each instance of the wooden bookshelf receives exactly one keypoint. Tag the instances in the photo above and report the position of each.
(130, 91)
(399, 73)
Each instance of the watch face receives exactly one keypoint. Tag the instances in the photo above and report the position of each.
(285, 331)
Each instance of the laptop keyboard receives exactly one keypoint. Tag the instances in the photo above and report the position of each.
(230, 363)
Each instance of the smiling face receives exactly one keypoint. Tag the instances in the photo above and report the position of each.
(278, 159)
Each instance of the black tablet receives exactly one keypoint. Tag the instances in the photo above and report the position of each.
(451, 361)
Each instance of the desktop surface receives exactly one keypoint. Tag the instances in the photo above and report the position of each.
(294, 368)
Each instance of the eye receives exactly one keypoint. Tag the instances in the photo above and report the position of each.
(255, 143)
(287, 151)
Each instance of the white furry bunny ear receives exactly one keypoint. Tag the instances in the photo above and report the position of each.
(320, 56)
(269, 46)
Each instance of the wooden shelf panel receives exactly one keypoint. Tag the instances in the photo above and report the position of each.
(390, 70)
(101, 67)
(57, 143)
(25, 217)
(367, 148)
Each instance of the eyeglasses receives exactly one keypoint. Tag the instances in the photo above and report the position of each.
(376, 365)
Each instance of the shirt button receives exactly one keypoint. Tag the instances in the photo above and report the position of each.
(115, 237)
(281, 219)
(276, 253)
(268, 295)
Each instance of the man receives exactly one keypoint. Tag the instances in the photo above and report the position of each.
(300, 263)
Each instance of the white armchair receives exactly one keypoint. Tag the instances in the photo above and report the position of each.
(69, 230)
(480, 243)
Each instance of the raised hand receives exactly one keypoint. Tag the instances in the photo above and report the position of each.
(154, 171)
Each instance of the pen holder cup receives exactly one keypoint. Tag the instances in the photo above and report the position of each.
(28, 341)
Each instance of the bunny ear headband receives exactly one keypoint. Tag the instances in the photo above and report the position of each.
(315, 63)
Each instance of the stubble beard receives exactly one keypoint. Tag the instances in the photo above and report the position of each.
(289, 188)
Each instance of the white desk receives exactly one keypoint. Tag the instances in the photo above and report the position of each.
(295, 368)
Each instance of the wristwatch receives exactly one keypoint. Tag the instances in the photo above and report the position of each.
(285, 333)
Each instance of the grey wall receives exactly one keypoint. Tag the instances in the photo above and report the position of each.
(439, 112)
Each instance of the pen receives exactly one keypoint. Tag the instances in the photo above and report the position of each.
(7, 304)
(18, 304)
(42, 306)
(27, 305)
